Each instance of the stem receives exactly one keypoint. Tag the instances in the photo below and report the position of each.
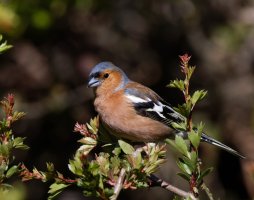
(185, 69)
(119, 184)
(161, 183)
(66, 180)
(187, 96)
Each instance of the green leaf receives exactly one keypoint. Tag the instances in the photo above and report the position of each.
(185, 168)
(93, 125)
(193, 157)
(137, 159)
(103, 162)
(188, 162)
(179, 84)
(181, 145)
(127, 148)
(191, 69)
(200, 128)
(194, 138)
(116, 151)
(184, 109)
(198, 96)
(4, 149)
(17, 115)
(55, 189)
(150, 169)
(115, 164)
(101, 185)
(50, 166)
(4, 46)
(178, 126)
(94, 168)
(88, 141)
(171, 143)
(204, 173)
(18, 143)
(75, 166)
(184, 176)
(14, 169)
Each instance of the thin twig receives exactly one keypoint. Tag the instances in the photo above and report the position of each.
(119, 185)
(159, 182)
(206, 189)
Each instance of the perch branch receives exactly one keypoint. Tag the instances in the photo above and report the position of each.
(159, 182)
(119, 185)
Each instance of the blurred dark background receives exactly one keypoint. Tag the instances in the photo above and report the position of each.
(57, 42)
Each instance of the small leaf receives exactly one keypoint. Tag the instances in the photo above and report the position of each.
(18, 143)
(18, 115)
(93, 125)
(191, 69)
(178, 126)
(181, 145)
(127, 148)
(204, 173)
(4, 46)
(200, 128)
(115, 164)
(50, 166)
(94, 168)
(84, 150)
(171, 143)
(188, 162)
(116, 151)
(4, 149)
(184, 109)
(55, 189)
(193, 157)
(150, 169)
(194, 138)
(179, 84)
(75, 166)
(198, 96)
(137, 159)
(183, 167)
(101, 185)
(184, 176)
(103, 162)
(14, 169)
(88, 141)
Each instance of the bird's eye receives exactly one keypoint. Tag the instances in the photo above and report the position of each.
(106, 75)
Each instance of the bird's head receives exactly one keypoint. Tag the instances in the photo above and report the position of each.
(108, 76)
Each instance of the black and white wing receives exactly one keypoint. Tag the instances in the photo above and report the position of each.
(151, 105)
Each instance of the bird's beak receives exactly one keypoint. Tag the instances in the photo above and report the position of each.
(93, 82)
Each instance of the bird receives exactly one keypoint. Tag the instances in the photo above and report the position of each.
(132, 111)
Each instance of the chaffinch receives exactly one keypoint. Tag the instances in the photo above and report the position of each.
(133, 111)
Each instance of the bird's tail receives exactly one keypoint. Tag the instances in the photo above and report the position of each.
(210, 140)
(214, 142)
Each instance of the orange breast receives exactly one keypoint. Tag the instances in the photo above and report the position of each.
(123, 121)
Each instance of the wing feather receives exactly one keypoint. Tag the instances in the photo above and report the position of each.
(150, 105)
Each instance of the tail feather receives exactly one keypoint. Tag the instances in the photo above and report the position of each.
(210, 140)
(214, 142)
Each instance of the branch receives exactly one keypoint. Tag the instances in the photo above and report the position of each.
(159, 182)
(119, 185)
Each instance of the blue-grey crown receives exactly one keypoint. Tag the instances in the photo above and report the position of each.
(100, 67)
